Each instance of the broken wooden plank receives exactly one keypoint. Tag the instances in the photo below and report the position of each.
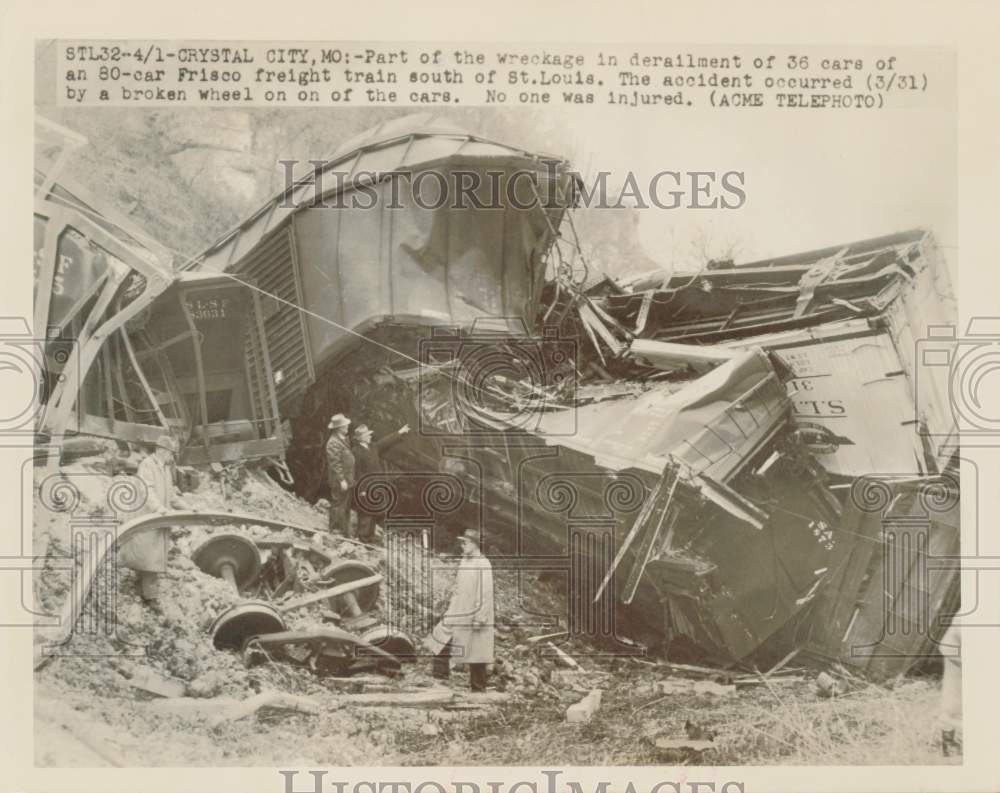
(271, 700)
(570, 678)
(545, 637)
(75, 448)
(643, 315)
(431, 698)
(687, 686)
(155, 683)
(701, 671)
(743, 683)
(683, 744)
(222, 709)
(331, 592)
(672, 355)
(353, 681)
(594, 323)
(777, 667)
(562, 658)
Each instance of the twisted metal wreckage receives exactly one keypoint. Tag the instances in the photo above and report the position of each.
(738, 459)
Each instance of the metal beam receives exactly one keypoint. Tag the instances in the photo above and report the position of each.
(66, 391)
(199, 367)
(127, 344)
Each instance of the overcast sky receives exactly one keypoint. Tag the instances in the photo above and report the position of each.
(812, 179)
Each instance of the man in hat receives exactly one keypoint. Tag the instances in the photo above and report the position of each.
(368, 460)
(340, 474)
(147, 552)
(465, 634)
(951, 692)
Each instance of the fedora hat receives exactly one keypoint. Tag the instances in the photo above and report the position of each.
(337, 421)
(167, 442)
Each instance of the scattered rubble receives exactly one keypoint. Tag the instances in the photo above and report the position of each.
(160, 685)
(584, 710)
(826, 686)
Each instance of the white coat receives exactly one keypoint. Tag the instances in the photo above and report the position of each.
(469, 621)
(148, 551)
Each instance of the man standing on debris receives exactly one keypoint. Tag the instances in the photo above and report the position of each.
(465, 633)
(340, 473)
(147, 553)
(368, 460)
(951, 692)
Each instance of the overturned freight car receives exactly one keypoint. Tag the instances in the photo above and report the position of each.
(867, 415)
(94, 272)
(413, 225)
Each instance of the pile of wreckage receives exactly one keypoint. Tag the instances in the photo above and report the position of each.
(741, 460)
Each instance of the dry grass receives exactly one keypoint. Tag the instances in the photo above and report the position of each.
(870, 725)
(785, 725)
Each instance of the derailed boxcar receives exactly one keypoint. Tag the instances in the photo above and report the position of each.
(94, 271)
(682, 503)
(129, 349)
(412, 225)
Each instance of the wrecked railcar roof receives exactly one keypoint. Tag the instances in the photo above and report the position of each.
(848, 321)
(335, 267)
(732, 301)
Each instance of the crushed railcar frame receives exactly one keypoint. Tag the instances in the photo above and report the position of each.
(100, 286)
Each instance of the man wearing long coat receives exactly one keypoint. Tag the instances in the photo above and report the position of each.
(147, 552)
(465, 634)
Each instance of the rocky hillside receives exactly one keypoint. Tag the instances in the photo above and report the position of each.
(187, 176)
